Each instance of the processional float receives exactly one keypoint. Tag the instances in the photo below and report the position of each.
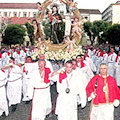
(71, 34)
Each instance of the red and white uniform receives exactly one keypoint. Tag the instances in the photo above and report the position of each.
(66, 106)
(111, 63)
(27, 79)
(14, 85)
(117, 70)
(106, 94)
(85, 68)
(41, 102)
(3, 99)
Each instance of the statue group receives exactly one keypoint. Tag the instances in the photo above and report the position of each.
(49, 10)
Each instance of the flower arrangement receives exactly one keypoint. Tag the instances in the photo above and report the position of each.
(60, 55)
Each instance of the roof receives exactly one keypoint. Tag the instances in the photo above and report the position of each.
(90, 11)
(117, 3)
(18, 20)
(18, 5)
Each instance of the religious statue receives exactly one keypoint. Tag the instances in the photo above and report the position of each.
(56, 21)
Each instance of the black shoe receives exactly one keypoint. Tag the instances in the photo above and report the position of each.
(27, 102)
(49, 115)
(14, 107)
(3, 114)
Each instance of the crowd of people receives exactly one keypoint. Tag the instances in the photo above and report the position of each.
(93, 75)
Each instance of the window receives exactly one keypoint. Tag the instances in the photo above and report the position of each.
(14, 14)
(34, 14)
(24, 14)
(5, 14)
(62, 12)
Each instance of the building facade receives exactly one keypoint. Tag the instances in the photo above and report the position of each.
(91, 14)
(20, 12)
(112, 13)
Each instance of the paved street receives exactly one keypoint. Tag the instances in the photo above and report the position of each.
(23, 111)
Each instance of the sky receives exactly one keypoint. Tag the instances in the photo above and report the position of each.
(82, 4)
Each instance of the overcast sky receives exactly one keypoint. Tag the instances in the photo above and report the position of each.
(85, 4)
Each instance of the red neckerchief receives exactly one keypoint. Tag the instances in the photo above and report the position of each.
(62, 76)
(3, 70)
(117, 58)
(101, 54)
(18, 52)
(82, 64)
(0, 55)
(87, 55)
(109, 53)
(46, 77)
(8, 53)
(24, 50)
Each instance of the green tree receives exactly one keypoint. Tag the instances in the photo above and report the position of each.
(30, 31)
(87, 28)
(14, 34)
(96, 30)
(113, 34)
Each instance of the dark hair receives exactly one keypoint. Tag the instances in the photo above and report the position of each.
(78, 56)
(69, 61)
(12, 58)
(38, 3)
(56, 7)
(34, 20)
(74, 60)
(28, 57)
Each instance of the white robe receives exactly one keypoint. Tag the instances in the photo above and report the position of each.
(87, 71)
(22, 56)
(117, 71)
(111, 64)
(41, 103)
(66, 106)
(14, 85)
(102, 112)
(91, 64)
(16, 56)
(4, 59)
(26, 84)
(3, 99)
(105, 58)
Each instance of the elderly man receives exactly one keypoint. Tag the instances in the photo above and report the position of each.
(48, 63)
(105, 94)
(68, 88)
(41, 102)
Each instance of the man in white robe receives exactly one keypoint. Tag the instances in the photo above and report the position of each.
(26, 84)
(83, 65)
(105, 57)
(68, 87)
(117, 69)
(111, 62)
(3, 99)
(41, 102)
(14, 84)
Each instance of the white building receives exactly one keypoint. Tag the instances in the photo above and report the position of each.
(91, 14)
(20, 12)
(112, 13)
